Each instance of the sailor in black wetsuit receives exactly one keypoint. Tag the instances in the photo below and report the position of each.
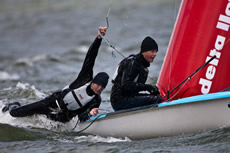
(81, 97)
(130, 78)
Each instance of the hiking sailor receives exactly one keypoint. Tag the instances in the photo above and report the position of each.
(81, 97)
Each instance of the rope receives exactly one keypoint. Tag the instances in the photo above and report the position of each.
(227, 89)
(179, 90)
(78, 121)
(110, 44)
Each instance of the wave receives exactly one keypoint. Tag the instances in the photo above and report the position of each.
(29, 61)
(10, 133)
(28, 87)
(6, 76)
(220, 135)
(81, 138)
(21, 91)
(97, 139)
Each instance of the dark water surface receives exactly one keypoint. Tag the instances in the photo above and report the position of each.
(42, 47)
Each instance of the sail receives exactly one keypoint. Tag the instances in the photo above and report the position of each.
(201, 31)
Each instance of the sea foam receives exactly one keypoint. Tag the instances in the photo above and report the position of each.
(6, 76)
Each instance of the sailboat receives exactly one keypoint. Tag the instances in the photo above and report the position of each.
(193, 103)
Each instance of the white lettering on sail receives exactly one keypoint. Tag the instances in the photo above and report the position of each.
(219, 42)
(206, 85)
(210, 72)
(222, 24)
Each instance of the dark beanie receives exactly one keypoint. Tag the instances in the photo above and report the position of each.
(101, 79)
(148, 44)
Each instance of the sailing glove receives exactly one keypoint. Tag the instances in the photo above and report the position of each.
(152, 89)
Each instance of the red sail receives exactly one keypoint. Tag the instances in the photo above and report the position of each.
(201, 31)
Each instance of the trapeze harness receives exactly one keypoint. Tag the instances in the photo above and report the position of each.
(77, 98)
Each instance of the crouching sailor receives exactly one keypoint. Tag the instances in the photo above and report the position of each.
(81, 97)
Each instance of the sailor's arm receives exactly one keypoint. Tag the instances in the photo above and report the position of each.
(86, 73)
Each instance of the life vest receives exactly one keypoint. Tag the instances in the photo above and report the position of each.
(77, 98)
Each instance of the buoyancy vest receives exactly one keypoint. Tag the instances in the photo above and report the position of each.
(77, 98)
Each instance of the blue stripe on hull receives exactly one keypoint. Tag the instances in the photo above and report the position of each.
(192, 99)
(211, 96)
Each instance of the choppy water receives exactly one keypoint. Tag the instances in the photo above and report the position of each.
(42, 47)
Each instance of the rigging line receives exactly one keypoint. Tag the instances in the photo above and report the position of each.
(168, 100)
(107, 17)
(113, 47)
(110, 44)
(80, 131)
(78, 121)
(189, 77)
(103, 35)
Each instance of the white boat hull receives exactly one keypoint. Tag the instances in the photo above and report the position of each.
(168, 119)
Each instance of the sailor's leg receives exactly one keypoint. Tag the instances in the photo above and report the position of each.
(136, 101)
(11, 106)
(40, 107)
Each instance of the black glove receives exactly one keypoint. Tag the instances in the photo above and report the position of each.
(152, 89)
(84, 116)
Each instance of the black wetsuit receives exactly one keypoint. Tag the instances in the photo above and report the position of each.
(131, 76)
(49, 106)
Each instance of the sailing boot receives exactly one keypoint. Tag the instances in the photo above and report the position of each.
(11, 106)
